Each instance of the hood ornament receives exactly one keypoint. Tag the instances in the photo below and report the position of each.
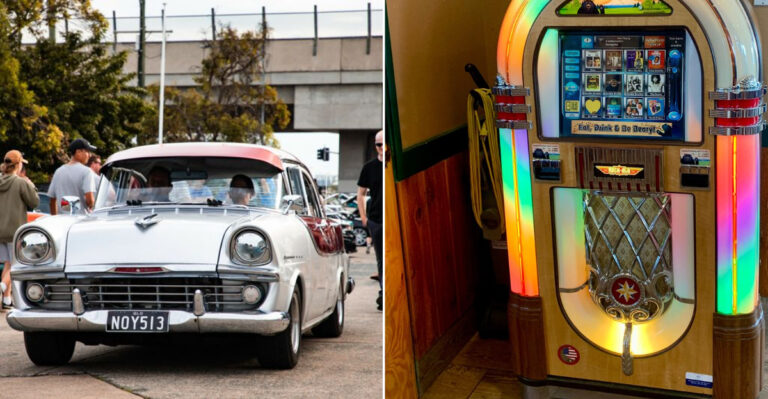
(146, 221)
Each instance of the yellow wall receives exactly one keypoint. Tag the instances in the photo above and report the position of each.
(431, 41)
(762, 21)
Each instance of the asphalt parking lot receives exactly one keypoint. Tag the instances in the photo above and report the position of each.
(346, 367)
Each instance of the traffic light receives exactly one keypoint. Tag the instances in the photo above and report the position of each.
(323, 153)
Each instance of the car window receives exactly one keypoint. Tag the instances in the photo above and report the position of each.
(314, 204)
(294, 177)
(191, 180)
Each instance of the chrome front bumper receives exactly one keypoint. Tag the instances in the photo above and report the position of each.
(179, 321)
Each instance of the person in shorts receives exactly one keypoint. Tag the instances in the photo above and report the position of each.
(17, 194)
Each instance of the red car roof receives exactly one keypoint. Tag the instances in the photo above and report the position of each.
(269, 155)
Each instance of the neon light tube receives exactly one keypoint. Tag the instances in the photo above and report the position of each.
(738, 183)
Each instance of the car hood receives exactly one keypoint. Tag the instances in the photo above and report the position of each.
(165, 239)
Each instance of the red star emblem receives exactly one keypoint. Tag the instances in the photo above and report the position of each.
(625, 291)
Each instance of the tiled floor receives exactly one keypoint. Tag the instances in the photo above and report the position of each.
(480, 372)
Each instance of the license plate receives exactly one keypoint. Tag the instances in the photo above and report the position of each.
(137, 321)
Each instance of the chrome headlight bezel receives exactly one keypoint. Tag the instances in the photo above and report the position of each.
(238, 258)
(48, 257)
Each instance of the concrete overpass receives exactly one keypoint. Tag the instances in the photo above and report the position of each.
(338, 90)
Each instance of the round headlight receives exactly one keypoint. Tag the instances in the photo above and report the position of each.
(33, 247)
(250, 247)
(251, 294)
(35, 292)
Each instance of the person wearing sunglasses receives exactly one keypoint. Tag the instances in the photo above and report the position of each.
(17, 194)
(371, 212)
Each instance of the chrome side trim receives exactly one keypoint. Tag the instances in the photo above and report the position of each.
(514, 91)
(737, 93)
(738, 131)
(524, 125)
(738, 112)
(512, 108)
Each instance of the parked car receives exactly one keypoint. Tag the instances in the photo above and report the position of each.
(171, 249)
(347, 229)
(43, 208)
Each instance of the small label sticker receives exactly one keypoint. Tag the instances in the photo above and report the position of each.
(546, 160)
(568, 354)
(546, 151)
(698, 380)
(689, 157)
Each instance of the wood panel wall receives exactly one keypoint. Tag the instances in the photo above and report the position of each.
(398, 345)
(440, 244)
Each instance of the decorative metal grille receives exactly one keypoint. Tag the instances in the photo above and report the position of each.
(629, 254)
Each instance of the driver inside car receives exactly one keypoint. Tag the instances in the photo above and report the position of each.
(241, 190)
(158, 185)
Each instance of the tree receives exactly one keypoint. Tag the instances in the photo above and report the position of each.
(52, 93)
(229, 104)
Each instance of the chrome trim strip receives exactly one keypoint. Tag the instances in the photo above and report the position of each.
(736, 93)
(512, 108)
(514, 91)
(738, 131)
(525, 125)
(686, 301)
(727, 35)
(573, 290)
(738, 112)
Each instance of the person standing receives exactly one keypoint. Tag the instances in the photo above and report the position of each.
(74, 178)
(94, 163)
(17, 194)
(371, 212)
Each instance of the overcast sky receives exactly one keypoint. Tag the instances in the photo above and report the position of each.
(305, 145)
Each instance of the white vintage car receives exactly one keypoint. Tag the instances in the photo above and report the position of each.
(185, 238)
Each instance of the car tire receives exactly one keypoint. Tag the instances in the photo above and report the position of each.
(49, 348)
(360, 235)
(333, 325)
(282, 351)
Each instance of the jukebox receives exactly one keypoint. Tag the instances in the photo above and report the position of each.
(630, 139)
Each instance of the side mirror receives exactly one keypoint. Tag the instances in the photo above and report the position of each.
(71, 204)
(292, 203)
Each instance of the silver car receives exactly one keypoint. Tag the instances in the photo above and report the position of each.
(185, 238)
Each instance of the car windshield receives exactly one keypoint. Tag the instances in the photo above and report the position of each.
(190, 180)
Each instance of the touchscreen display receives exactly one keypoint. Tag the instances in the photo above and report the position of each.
(627, 85)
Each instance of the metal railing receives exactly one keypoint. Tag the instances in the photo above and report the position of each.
(282, 25)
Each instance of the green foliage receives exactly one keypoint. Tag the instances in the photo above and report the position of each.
(229, 103)
(53, 93)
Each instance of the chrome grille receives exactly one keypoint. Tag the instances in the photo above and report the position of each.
(148, 293)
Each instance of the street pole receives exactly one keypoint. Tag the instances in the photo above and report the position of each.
(51, 24)
(162, 82)
(142, 31)
(114, 32)
(263, 67)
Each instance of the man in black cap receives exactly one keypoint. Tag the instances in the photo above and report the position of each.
(74, 178)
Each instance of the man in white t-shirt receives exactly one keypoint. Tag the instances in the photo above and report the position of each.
(74, 178)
